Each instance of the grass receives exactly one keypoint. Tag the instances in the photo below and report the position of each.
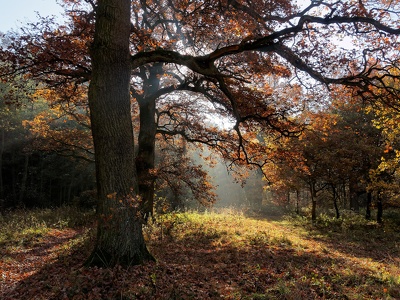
(224, 255)
(26, 226)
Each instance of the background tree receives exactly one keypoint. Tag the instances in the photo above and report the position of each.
(335, 155)
(182, 177)
(30, 174)
(384, 177)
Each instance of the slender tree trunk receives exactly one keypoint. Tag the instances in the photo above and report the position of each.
(353, 197)
(335, 204)
(344, 195)
(379, 213)
(369, 204)
(119, 231)
(297, 201)
(147, 137)
(313, 202)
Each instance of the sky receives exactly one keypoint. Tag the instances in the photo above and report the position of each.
(14, 13)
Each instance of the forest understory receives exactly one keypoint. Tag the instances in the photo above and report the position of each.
(212, 255)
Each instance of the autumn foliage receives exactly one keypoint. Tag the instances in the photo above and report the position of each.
(278, 86)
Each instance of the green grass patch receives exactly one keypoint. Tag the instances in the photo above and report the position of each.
(23, 227)
(212, 255)
(289, 258)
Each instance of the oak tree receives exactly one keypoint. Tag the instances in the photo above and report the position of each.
(224, 51)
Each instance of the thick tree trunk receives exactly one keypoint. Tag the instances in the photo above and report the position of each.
(119, 232)
(147, 137)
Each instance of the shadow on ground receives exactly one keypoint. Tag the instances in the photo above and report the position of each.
(196, 267)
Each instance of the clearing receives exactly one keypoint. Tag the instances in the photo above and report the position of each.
(203, 256)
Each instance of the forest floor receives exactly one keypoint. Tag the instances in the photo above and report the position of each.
(203, 256)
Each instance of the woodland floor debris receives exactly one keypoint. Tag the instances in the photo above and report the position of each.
(209, 256)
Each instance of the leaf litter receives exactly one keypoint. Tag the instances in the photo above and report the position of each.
(206, 256)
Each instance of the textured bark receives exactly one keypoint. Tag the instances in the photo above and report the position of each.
(147, 137)
(119, 236)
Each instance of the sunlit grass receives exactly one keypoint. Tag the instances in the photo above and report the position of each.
(23, 227)
(223, 255)
(335, 258)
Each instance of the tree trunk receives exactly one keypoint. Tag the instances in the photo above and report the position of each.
(344, 195)
(119, 231)
(354, 205)
(314, 211)
(379, 213)
(314, 202)
(335, 196)
(147, 137)
(369, 204)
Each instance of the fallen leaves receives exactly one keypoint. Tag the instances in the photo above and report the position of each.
(209, 256)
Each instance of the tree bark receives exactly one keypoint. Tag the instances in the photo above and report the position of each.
(119, 231)
(147, 138)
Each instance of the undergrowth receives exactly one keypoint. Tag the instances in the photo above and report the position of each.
(212, 255)
(22, 226)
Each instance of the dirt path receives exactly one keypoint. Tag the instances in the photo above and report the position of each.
(28, 257)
